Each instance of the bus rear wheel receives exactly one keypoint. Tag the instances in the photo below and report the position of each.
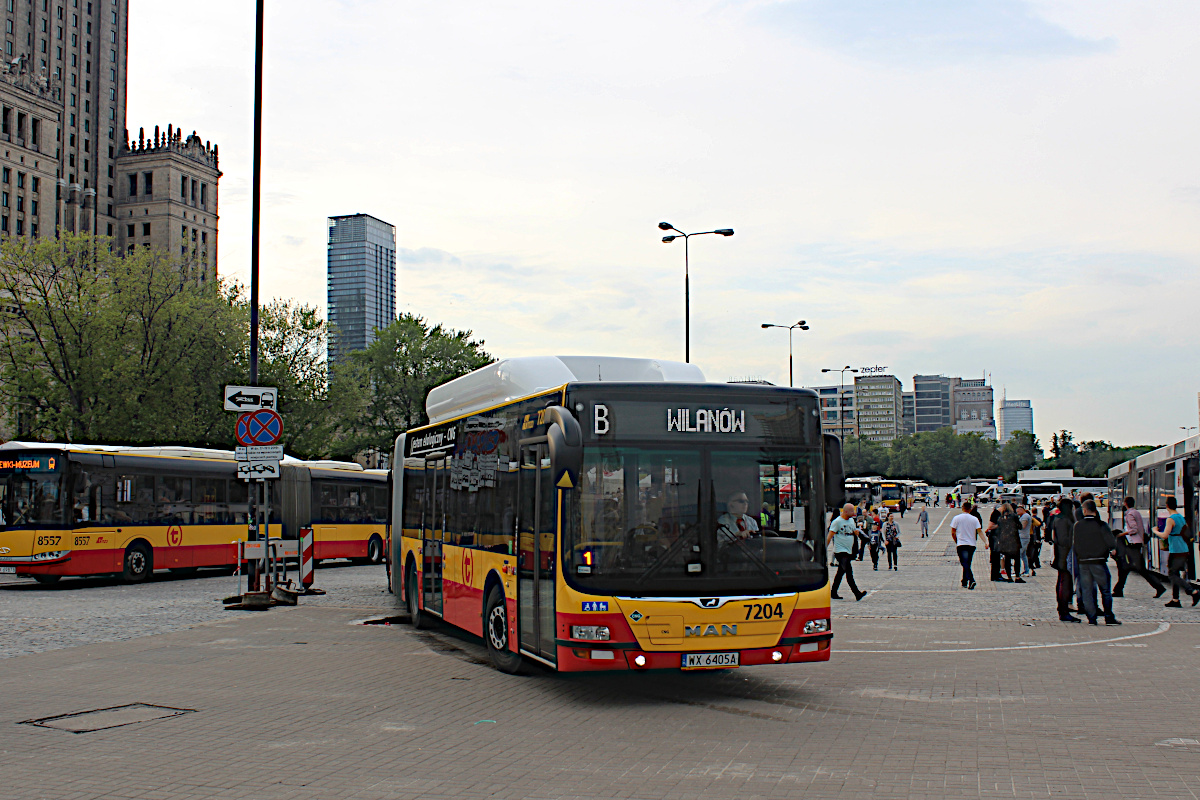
(496, 632)
(375, 550)
(420, 620)
(139, 563)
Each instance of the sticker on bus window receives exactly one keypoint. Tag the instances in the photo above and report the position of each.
(595, 605)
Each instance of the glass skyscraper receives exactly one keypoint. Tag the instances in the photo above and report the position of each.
(362, 281)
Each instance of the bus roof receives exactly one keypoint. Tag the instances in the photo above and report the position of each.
(511, 379)
(167, 451)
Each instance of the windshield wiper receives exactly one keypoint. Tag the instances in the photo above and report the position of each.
(661, 561)
(758, 562)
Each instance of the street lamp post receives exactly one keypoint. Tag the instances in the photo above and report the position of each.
(687, 290)
(841, 386)
(802, 325)
(1186, 428)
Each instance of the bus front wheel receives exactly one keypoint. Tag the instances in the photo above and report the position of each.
(420, 620)
(496, 632)
(139, 563)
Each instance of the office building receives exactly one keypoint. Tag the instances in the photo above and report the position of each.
(841, 422)
(909, 419)
(933, 402)
(880, 406)
(972, 403)
(1015, 415)
(361, 281)
(66, 161)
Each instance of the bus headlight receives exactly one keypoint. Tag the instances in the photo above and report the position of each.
(52, 555)
(816, 626)
(590, 633)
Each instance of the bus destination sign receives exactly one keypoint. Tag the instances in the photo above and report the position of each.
(37, 464)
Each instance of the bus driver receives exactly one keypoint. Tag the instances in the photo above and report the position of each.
(735, 523)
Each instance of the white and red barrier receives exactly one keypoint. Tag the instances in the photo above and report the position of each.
(306, 557)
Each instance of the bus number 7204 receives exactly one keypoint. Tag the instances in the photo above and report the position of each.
(763, 610)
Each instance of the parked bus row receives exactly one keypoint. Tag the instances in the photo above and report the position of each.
(889, 492)
(76, 510)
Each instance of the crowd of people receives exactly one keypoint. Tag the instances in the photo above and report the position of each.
(1083, 544)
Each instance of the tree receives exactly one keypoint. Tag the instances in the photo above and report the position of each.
(98, 347)
(1022, 451)
(408, 359)
(863, 457)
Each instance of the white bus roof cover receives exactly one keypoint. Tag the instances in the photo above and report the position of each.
(513, 378)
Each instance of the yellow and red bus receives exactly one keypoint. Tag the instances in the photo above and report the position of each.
(632, 522)
(77, 510)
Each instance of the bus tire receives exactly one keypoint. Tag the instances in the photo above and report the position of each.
(496, 633)
(47, 580)
(139, 563)
(375, 550)
(420, 620)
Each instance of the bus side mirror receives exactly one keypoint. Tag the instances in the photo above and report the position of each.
(565, 442)
(835, 473)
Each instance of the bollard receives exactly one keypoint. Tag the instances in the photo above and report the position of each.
(306, 558)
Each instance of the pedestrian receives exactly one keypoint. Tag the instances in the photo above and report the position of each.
(1093, 542)
(874, 541)
(1008, 537)
(1134, 557)
(1179, 545)
(923, 518)
(993, 530)
(1026, 521)
(964, 533)
(1063, 528)
(903, 505)
(842, 535)
(891, 539)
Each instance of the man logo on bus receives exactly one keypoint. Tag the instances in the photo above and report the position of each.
(711, 630)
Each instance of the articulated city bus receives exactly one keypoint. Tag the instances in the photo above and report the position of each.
(613, 513)
(95, 510)
(1169, 471)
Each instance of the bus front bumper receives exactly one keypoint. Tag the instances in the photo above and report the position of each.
(48, 563)
(574, 657)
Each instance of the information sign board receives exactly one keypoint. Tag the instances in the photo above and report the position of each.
(257, 470)
(267, 452)
(249, 398)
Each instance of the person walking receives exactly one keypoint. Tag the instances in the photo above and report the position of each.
(1035, 540)
(903, 505)
(1008, 538)
(1134, 538)
(842, 535)
(964, 532)
(1179, 544)
(874, 540)
(1063, 528)
(891, 539)
(1026, 524)
(1093, 542)
(923, 518)
(993, 530)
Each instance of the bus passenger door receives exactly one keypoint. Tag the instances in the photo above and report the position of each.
(536, 548)
(433, 529)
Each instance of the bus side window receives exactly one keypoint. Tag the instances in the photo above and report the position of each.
(174, 496)
(239, 503)
(379, 504)
(210, 500)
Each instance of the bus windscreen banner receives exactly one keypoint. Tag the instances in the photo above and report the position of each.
(689, 422)
(40, 463)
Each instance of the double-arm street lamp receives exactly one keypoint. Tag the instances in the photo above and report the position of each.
(841, 385)
(687, 290)
(802, 325)
(1187, 429)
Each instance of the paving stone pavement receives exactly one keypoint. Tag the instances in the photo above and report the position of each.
(932, 692)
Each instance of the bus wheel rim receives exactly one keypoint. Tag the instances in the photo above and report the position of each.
(497, 629)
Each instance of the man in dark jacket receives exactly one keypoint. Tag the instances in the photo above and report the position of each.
(1062, 528)
(1094, 542)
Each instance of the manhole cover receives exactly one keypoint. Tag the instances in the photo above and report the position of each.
(104, 718)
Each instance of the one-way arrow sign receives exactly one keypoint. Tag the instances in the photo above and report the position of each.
(250, 398)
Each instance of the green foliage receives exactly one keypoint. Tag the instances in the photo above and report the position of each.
(406, 360)
(1022, 451)
(1090, 459)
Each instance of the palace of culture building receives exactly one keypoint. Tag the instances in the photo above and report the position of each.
(67, 161)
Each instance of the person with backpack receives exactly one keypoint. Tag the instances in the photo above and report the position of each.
(1062, 525)
(891, 538)
(1179, 545)
(1008, 539)
(1134, 559)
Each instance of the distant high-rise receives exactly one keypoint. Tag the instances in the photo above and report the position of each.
(362, 281)
(933, 404)
(972, 404)
(1015, 415)
(910, 413)
(880, 409)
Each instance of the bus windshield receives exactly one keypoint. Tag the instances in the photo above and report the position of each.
(30, 487)
(891, 491)
(658, 521)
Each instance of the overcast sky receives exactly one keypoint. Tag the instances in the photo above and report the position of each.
(943, 186)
